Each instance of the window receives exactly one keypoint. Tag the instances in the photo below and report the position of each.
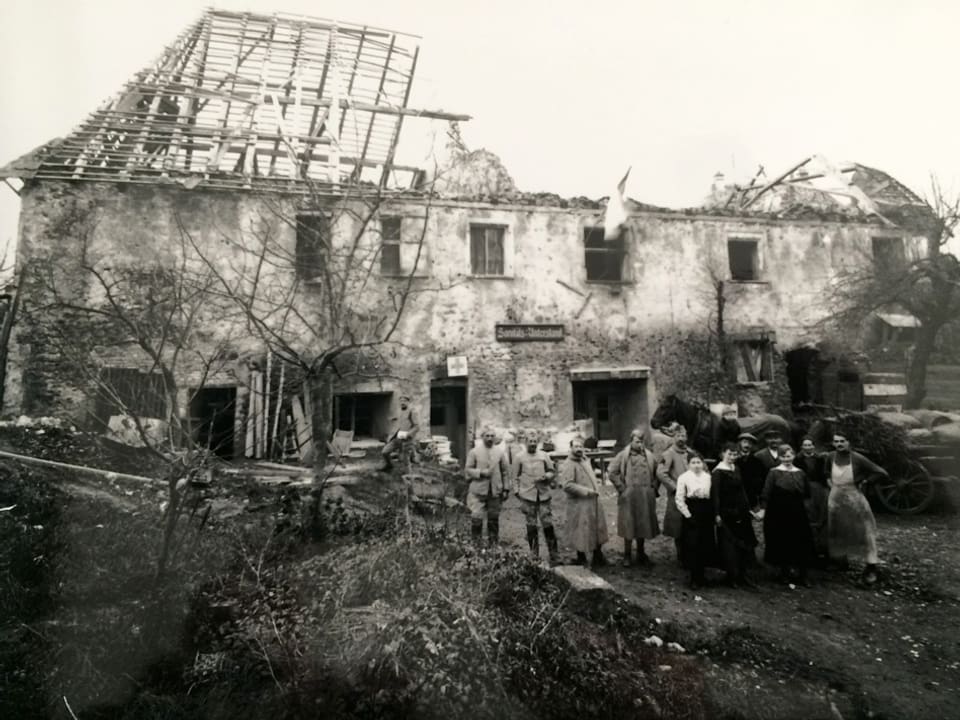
(366, 414)
(603, 258)
(753, 360)
(128, 391)
(313, 237)
(888, 252)
(390, 246)
(744, 259)
(487, 249)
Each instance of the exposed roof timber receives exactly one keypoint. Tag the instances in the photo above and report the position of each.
(237, 86)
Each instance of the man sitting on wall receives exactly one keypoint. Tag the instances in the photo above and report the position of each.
(404, 436)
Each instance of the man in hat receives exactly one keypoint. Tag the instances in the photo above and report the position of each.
(488, 473)
(770, 455)
(752, 471)
(586, 522)
(404, 434)
(533, 479)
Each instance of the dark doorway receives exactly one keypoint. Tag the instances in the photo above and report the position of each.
(803, 376)
(448, 413)
(212, 411)
(366, 414)
(615, 406)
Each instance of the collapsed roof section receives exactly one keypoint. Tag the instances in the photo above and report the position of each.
(815, 187)
(243, 101)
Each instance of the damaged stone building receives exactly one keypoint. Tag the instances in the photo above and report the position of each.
(522, 314)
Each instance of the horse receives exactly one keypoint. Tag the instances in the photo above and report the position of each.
(706, 433)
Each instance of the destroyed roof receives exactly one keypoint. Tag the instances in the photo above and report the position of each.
(242, 100)
(854, 193)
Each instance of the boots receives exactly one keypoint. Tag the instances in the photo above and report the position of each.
(627, 551)
(476, 531)
(493, 531)
(533, 540)
(551, 538)
(598, 559)
(581, 558)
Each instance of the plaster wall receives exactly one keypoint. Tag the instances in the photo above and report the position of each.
(648, 320)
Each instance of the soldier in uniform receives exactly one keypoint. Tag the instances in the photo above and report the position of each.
(533, 478)
(488, 473)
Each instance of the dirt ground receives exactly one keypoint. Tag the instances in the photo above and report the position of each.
(834, 650)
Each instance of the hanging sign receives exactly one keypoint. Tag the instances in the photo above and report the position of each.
(529, 333)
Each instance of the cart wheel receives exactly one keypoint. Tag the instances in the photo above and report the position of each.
(908, 492)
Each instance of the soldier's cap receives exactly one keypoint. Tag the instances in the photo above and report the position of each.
(747, 436)
(405, 397)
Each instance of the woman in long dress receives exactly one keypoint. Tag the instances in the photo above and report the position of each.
(731, 509)
(814, 465)
(788, 541)
(698, 535)
(851, 527)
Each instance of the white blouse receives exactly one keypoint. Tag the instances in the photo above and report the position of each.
(692, 485)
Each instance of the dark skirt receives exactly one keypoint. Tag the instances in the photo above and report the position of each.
(786, 530)
(698, 537)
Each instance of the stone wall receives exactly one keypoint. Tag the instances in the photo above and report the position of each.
(661, 316)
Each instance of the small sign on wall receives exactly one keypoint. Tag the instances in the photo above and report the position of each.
(457, 366)
(529, 333)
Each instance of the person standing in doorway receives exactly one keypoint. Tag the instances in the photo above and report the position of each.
(633, 473)
(851, 527)
(487, 471)
(586, 524)
(673, 463)
(404, 436)
(533, 479)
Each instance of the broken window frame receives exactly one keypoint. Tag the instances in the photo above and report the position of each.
(390, 245)
(481, 264)
(130, 391)
(310, 262)
(753, 360)
(888, 252)
(746, 243)
(605, 254)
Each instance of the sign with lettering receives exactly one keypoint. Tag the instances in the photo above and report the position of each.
(530, 333)
(457, 366)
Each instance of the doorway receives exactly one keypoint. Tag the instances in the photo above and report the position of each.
(448, 413)
(212, 414)
(615, 406)
(803, 376)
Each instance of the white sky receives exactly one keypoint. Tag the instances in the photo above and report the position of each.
(569, 93)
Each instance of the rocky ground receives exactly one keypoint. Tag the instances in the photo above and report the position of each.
(836, 649)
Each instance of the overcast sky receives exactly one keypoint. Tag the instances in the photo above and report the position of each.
(569, 93)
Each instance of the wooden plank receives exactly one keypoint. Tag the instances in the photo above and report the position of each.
(304, 434)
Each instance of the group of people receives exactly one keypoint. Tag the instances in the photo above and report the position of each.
(812, 506)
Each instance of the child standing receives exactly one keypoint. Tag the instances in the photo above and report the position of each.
(697, 534)
(786, 529)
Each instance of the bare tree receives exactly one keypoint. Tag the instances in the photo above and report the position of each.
(129, 337)
(924, 283)
(323, 282)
